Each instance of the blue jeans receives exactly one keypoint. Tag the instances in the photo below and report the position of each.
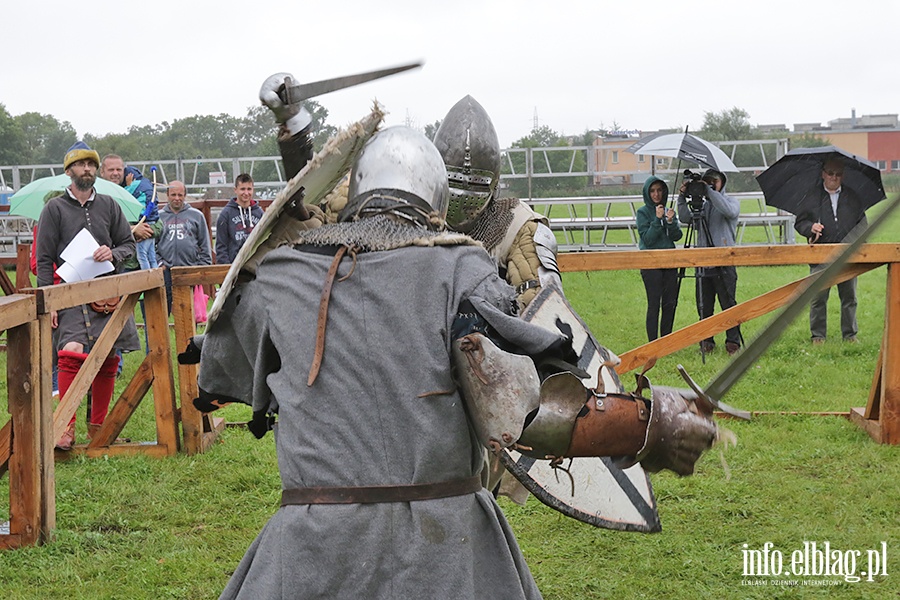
(146, 253)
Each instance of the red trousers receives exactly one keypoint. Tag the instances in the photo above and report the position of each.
(102, 387)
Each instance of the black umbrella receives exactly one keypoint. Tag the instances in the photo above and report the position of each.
(787, 182)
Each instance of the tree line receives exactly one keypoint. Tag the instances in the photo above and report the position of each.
(37, 139)
(32, 138)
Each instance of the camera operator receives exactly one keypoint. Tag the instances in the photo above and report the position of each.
(713, 215)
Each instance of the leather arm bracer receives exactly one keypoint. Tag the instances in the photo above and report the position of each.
(667, 432)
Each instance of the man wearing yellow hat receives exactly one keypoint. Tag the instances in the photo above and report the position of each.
(78, 328)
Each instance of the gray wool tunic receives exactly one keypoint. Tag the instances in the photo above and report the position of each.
(61, 220)
(383, 411)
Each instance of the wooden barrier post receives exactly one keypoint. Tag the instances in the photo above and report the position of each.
(161, 363)
(881, 416)
(31, 472)
(200, 430)
(192, 421)
(23, 266)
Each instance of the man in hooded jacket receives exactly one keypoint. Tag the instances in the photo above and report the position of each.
(236, 220)
(715, 226)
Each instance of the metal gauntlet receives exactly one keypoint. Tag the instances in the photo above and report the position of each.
(678, 433)
(294, 118)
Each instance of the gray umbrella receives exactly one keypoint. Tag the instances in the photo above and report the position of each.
(684, 146)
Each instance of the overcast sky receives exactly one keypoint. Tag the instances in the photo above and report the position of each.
(105, 66)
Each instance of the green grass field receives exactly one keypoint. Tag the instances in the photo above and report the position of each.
(141, 528)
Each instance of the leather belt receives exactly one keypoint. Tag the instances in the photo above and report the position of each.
(380, 493)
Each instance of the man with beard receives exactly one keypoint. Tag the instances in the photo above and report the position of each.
(77, 328)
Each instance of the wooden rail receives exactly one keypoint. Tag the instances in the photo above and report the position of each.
(881, 416)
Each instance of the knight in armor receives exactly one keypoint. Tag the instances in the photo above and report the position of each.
(374, 444)
(517, 238)
(371, 276)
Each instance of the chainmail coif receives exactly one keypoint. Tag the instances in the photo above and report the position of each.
(494, 221)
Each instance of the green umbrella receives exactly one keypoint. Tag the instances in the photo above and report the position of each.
(29, 201)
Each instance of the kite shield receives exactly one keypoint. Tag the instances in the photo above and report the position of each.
(549, 306)
(591, 490)
(317, 179)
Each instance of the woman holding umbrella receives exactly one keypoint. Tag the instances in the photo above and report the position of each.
(658, 229)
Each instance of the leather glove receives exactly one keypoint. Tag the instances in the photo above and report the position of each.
(261, 423)
(191, 354)
(678, 432)
(293, 117)
(207, 402)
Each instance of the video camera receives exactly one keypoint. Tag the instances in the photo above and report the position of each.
(695, 190)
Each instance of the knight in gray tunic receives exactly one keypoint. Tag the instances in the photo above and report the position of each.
(379, 462)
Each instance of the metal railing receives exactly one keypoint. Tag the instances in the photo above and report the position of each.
(212, 178)
(590, 223)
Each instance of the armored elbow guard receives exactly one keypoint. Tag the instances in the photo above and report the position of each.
(500, 389)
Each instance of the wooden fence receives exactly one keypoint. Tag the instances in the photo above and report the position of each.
(881, 415)
(27, 439)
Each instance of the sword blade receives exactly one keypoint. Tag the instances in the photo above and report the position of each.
(734, 370)
(296, 93)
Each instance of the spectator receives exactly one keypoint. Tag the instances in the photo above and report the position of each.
(715, 224)
(112, 168)
(658, 230)
(236, 220)
(828, 215)
(81, 207)
(185, 235)
(145, 193)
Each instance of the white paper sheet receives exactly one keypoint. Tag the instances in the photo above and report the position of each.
(79, 256)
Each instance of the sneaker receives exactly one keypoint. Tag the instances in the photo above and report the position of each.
(731, 348)
(707, 347)
(818, 341)
(851, 339)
